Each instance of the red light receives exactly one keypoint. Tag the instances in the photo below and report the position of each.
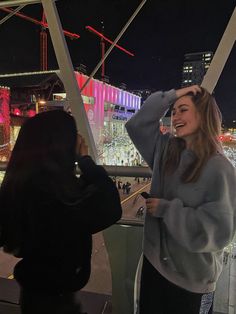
(31, 113)
(1, 118)
(17, 111)
(225, 138)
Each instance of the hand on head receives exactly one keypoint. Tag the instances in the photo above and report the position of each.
(81, 147)
(190, 89)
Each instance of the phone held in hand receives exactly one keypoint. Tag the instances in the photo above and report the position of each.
(145, 195)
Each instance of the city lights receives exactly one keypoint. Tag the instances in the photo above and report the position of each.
(230, 152)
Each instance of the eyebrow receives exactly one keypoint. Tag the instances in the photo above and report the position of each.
(179, 106)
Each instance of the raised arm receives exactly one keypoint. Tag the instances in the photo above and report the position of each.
(144, 127)
(99, 206)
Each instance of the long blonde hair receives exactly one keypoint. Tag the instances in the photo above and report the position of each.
(206, 142)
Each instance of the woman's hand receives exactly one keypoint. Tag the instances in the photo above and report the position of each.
(81, 147)
(152, 205)
(190, 89)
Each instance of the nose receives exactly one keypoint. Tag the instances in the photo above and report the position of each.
(174, 117)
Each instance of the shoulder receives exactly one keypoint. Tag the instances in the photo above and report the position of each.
(220, 163)
(218, 179)
(219, 169)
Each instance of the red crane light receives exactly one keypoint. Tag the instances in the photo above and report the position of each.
(43, 47)
(103, 39)
(43, 24)
(90, 28)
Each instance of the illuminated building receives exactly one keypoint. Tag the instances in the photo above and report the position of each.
(4, 123)
(107, 108)
(195, 67)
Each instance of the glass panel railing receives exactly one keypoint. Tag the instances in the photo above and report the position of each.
(124, 246)
(115, 278)
(123, 242)
(116, 255)
(225, 294)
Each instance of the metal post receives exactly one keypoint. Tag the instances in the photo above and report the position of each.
(221, 55)
(16, 3)
(11, 14)
(68, 75)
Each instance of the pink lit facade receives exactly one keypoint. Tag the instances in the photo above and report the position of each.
(4, 123)
(107, 108)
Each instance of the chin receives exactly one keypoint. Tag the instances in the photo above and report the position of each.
(180, 135)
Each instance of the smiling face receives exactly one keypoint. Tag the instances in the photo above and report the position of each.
(185, 119)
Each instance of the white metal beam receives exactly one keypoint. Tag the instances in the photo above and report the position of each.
(67, 74)
(221, 55)
(11, 14)
(15, 3)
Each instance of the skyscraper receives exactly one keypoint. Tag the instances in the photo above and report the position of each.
(195, 67)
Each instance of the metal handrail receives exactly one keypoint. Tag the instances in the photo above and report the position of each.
(116, 171)
(130, 222)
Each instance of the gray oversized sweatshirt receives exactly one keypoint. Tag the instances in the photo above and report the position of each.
(193, 223)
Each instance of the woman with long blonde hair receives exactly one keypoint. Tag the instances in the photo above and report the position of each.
(190, 214)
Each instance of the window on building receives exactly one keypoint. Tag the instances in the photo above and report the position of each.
(130, 110)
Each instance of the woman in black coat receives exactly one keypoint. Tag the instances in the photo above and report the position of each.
(48, 214)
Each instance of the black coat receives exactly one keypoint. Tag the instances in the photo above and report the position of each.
(57, 242)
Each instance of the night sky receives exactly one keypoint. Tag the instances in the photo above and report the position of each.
(159, 36)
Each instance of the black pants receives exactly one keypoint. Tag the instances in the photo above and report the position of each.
(37, 303)
(159, 296)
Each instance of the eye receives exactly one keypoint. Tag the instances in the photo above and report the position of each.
(183, 109)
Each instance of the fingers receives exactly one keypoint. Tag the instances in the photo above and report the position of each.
(195, 89)
(79, 139)
(152, 204)
(190, 89)
(81, 146)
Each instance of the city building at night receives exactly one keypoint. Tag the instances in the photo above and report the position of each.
(108, 108)
(195, 66)
(4, 123)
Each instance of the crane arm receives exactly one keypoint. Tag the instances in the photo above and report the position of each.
(90, 28)
(41, 23)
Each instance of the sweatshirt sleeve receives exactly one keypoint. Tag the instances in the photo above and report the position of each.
(101, 207)
(210, 226)
(144, 127)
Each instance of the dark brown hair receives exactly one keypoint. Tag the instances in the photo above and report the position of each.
(43, 161)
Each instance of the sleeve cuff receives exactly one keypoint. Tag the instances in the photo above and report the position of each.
(161, 208)
(165, 206)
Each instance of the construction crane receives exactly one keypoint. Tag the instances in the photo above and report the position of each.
(43, 46)
(103, 39)
(43, 35)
